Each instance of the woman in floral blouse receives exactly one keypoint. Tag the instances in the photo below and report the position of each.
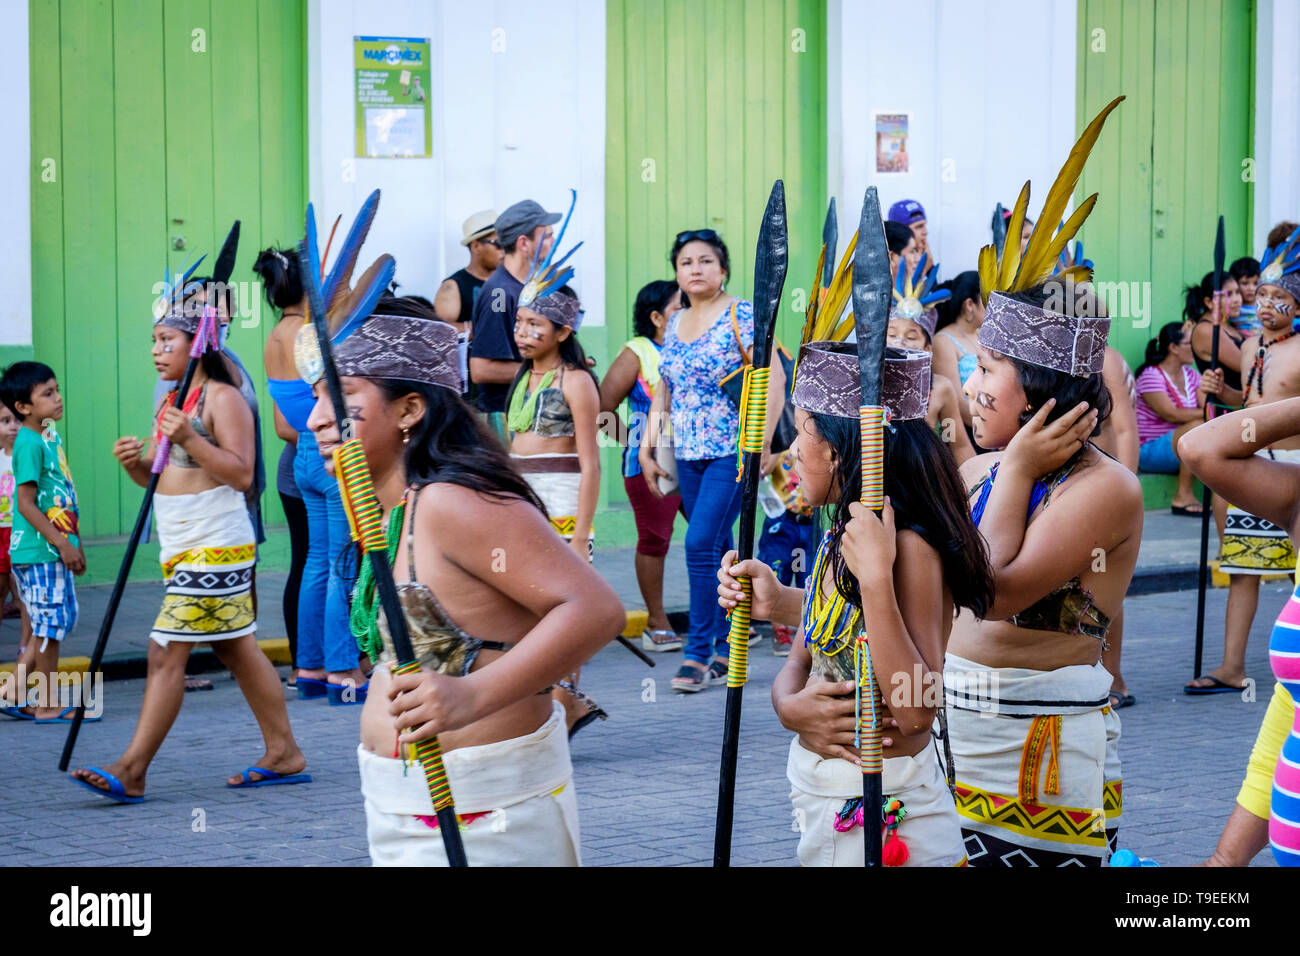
(704, 343)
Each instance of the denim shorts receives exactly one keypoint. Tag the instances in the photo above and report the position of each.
(1157, 455)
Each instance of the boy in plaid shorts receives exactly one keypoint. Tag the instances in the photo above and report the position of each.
(44, 547)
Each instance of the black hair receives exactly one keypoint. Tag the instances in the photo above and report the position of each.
(718, 246)
(653, 297)
(571, 354)
(963, 286)
(928, 497)
(898, 236)
(1041, 383)
(1194, 296)
(451, 444)
(18, 380)
(407, 306)
(214, 291)
(1244, 268)
(281, 276)
(1158, 348)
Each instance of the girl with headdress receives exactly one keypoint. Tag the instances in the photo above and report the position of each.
(923, 547)
(911, 326)
(1034, 739)
(208, 551)
(497, 611)
(905, 572)
(551, 416)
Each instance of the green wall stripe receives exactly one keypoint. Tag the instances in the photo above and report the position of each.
(1169, 161)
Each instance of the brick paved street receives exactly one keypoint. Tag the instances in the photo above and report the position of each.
(646, 779)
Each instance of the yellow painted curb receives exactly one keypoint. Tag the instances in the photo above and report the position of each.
(276, 649)
(636, 623)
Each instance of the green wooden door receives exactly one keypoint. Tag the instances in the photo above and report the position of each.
(164, 123)
(1171, 159)
(707, 103)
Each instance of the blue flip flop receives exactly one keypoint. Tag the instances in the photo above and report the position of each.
(65, 720)
(115, 789)
(269, 778)
(309, 688)
(336, 692)
(16, 713)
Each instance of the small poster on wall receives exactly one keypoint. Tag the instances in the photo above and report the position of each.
(891, 142)
(394, 118)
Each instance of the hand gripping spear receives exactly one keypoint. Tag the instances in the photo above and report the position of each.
(1204, 572)
(204, 338)
(770, 261)
(871, 299)
(366, 519)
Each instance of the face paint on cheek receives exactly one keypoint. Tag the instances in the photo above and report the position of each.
(1283, 308)
(168, 348)
(354, 413)
(985, 400)
(535, 334)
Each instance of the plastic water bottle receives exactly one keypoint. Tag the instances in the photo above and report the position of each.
(1129, 858)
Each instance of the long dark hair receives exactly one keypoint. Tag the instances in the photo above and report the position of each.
(963, 286)
(1158, 348)
(1194, 297)
(653, 297)
(281, 277)
(927, 495)
(450, 444)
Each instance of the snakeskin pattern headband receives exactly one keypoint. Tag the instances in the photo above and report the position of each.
(413, 350)
(1063, 343)
(827, 382)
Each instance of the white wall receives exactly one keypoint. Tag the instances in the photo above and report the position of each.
(16, 180)
(1277, 117)
(990, 87)
(524, 122)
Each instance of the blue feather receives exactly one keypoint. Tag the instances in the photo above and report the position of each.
(362, 308)
(313, 251)
(918, 271)
(347, 257)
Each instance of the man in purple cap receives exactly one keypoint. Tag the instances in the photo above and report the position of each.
(911, 213)
(522, 230)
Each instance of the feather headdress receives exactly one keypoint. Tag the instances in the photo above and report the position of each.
(914, 292)
(1048, 337)
(346, 306)
(822, 318)
(548, 275)
(1008, 270)
(1281, 265)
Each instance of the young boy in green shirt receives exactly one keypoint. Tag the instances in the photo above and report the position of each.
(44, 548)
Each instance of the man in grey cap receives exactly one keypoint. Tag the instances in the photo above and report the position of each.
(524, 231)
(456, 296)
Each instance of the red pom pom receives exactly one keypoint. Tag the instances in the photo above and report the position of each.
(894, 853)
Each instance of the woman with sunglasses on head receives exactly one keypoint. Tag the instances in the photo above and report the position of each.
(705, 342)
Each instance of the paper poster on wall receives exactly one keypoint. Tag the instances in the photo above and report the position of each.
(891, 142)
(393, 97)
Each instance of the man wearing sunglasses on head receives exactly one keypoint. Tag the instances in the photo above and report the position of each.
(456, 296)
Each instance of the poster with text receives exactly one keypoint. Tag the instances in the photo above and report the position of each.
(891, 142)
(394, 119)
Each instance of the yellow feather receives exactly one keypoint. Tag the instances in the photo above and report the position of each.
(837, 296)
(842, 330)
(988, 270)
(1031, 275)
(1011, 248)
(814, 299)
(1036, 261)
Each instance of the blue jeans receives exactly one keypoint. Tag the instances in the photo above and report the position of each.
(324, 637)
(711, 500)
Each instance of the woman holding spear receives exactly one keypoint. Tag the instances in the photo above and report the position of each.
(207, 552)
(497, 611)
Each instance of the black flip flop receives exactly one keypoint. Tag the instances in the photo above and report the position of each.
(1185, 511)
(1218, 687)
(1121, 700)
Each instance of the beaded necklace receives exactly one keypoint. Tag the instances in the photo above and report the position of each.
(828, 623)
(363, 619)
(1257, 369)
